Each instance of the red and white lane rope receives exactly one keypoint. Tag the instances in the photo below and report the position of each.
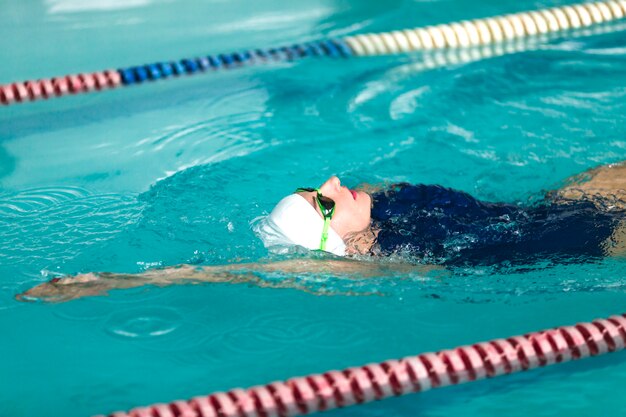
(59, 86)
(334, 389)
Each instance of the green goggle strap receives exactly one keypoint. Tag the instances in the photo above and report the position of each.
(325, 232)
(307, 189)
(327, 216)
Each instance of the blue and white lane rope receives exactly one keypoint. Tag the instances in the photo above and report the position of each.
(479, 32)
(139, 74)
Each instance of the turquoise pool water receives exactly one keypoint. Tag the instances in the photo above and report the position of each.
(174, 172)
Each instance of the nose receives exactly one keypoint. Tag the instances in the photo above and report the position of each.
(332, 184)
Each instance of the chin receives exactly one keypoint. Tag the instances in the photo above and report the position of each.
(365, 198)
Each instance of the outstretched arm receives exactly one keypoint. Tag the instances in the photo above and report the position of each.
(72, 287)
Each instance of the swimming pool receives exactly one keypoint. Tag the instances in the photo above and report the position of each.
(174, 172)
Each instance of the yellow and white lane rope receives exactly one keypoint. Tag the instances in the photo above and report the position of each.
(480, 32)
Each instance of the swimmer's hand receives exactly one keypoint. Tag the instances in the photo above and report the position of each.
(82, 285)
(90, 284)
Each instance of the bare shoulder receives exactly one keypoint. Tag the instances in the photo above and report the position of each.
(606, 183)
(605, 186)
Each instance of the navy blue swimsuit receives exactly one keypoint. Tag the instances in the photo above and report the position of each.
(439, 225)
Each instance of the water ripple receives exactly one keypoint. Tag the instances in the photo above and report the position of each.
(38, 198)
(46, 226)
(74, 6)
(270, 333)
(82, 310)
(234, 128)
(143, 322)
(169, 330)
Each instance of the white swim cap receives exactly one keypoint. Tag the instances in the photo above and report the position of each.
(294, 221)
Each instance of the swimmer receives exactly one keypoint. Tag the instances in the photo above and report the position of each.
(427, 227)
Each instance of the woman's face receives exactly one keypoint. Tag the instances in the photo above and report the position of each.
(352, 208)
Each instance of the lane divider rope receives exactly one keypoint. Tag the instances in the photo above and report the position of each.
(489, 30)
(446, 36)
(437, 58)
(335, 389)
(18, 92)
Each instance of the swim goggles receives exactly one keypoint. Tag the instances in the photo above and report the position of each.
(327, 207)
